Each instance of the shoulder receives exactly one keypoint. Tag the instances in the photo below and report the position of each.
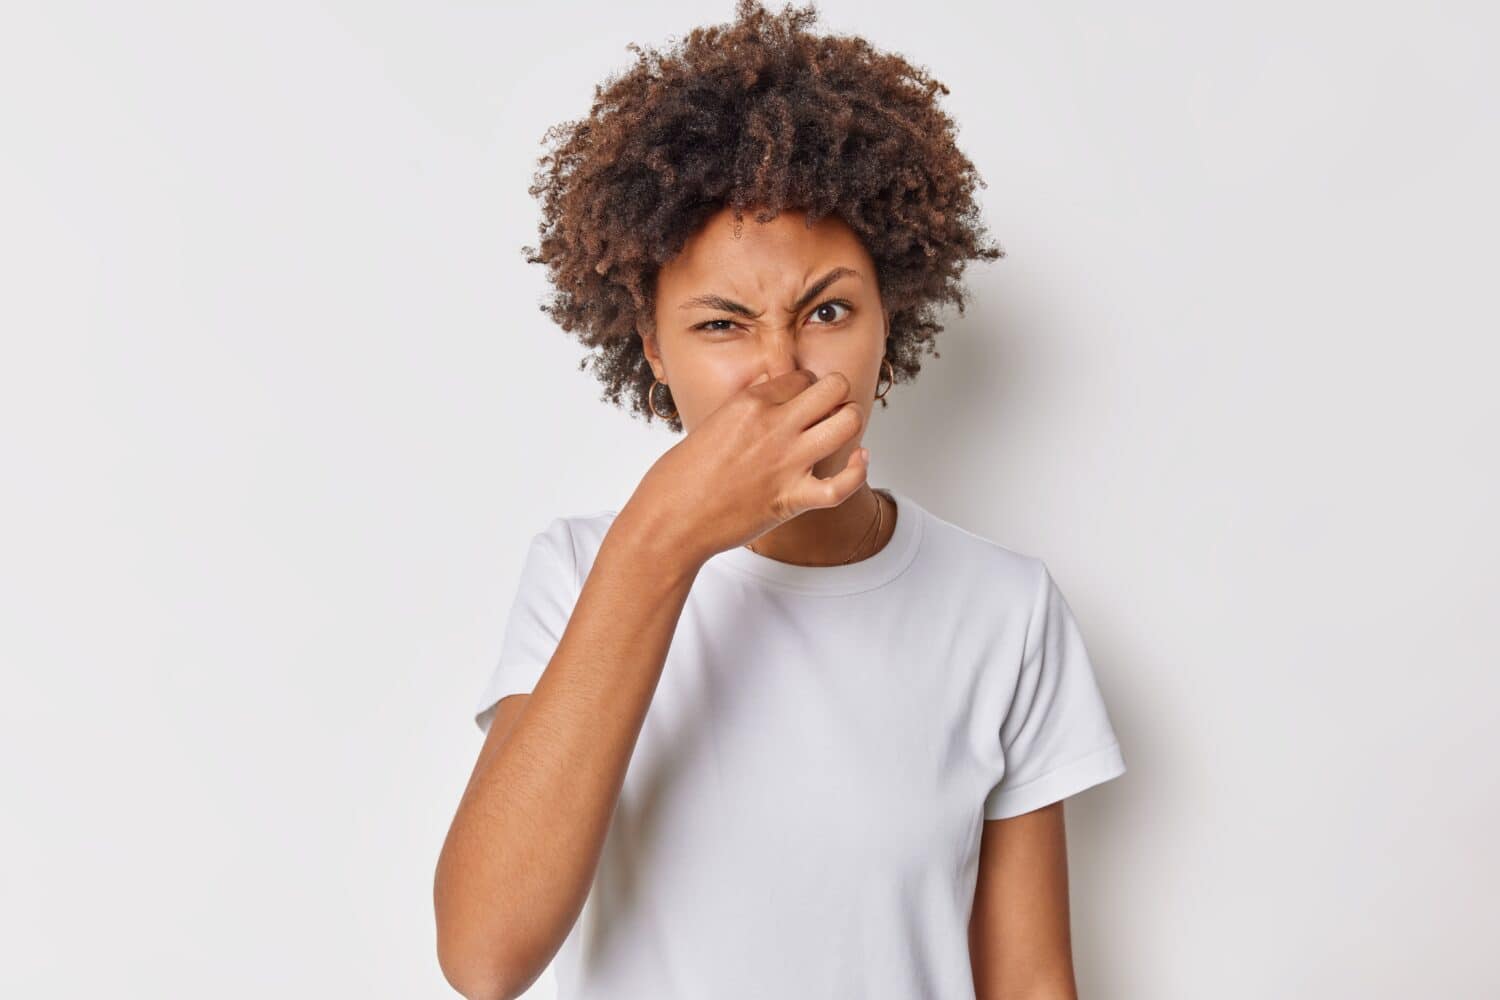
(588, 529)
(1000, 570)
(573, 539)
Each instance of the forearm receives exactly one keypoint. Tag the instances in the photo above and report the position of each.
(523, 847)
(1058, 988)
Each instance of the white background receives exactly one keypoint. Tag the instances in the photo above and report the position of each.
(281, 413)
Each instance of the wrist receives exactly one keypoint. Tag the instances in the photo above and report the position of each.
(654, 536)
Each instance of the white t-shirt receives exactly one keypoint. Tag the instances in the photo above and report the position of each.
(802, 813)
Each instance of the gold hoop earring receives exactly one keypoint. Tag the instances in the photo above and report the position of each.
(651, 400)
(892, 369)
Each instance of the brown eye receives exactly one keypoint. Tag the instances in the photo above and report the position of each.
(832, 305)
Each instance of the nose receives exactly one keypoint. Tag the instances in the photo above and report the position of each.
(779, 353)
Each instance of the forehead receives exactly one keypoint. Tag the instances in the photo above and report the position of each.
(770, 255)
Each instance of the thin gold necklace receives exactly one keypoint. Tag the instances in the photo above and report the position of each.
(879, 520)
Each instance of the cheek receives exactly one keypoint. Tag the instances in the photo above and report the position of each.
(857, 357)
(703, 379)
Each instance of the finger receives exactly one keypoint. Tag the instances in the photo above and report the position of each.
(842, 425)
(787, 385)
(814, 492)
(819, 400)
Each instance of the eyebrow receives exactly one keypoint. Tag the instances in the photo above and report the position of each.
(739, 309)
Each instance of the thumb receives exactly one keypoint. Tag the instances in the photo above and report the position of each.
(760, 378)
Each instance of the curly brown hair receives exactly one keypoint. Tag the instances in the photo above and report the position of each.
(758, 112)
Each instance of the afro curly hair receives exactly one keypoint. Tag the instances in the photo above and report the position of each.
(757, 113)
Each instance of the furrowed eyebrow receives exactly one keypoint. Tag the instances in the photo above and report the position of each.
(729, 305)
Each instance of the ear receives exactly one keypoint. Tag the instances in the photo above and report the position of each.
(650, 348)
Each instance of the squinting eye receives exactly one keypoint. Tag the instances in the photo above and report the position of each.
(829, 305)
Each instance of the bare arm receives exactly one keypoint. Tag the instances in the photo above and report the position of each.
(1020, 942)
(531, 824)
(520, 856)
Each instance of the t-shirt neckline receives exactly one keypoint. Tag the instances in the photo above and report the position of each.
(848, 578)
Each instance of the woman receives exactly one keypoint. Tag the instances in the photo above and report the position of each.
(766, 731)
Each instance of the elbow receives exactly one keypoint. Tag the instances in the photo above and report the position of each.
(482, 952)
(471, 978)
(478, 969)
(475, 978)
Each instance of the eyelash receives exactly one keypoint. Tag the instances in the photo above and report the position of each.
(705, 327)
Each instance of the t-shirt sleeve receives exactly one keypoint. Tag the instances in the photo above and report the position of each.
(1056, 737)
(543, 603)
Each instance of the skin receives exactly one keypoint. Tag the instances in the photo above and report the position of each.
(774, 404)
(1020, 942)
(704, 352)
